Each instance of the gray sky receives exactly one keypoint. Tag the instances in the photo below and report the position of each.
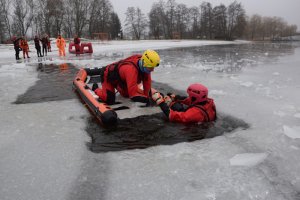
(289, 10)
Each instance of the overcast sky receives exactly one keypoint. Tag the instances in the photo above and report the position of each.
(289, 10)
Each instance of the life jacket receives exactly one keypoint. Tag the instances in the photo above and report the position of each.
(60, 43)
(113, 69)
(24, 44)
(209, 110)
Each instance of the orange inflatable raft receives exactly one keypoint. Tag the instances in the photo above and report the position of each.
(84, 48)
(105, 114)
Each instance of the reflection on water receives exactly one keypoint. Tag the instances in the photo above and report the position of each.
(55, 83)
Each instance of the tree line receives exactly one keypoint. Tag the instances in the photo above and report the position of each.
(53, 17)
(166, 20)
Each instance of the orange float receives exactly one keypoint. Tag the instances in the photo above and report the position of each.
(105, 114)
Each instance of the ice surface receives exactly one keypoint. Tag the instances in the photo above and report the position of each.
(292, 132)
(42, 145)
(248, 159)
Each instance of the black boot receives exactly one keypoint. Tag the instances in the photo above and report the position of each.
(95, 86)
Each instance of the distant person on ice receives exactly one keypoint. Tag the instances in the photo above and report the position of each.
(77, 45)
(25, 47)
(45, 44)
(126, 75)
(37, 46)
(16, 42)
(49, 44)
(195, 108)
(61, 44)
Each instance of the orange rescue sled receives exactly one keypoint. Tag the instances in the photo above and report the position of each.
(105, 114)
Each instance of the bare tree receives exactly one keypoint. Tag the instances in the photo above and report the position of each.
(115, 26)
(220, 21)
(100, 17)
(56, 9)
(136, 22)
(254, 26)
(291, 30)
(182, 19)
(195, 21)
(206, 20)
(236, 20)
(5, 11)
(68, 24)
(80, 17)
(50, 16)
(23, 16)
(170, 17)
(156, 20)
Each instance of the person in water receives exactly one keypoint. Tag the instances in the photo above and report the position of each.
(194, 108)
(126, 76)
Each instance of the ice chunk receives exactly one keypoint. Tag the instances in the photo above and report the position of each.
(247, 159)
(293, 133)
(247, 84)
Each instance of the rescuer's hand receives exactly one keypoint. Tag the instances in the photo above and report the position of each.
(168, 100)
(158, 98)
(172, 96)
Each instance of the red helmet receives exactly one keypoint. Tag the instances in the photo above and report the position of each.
(197, 93)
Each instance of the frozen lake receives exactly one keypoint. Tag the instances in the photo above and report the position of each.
(52, 148)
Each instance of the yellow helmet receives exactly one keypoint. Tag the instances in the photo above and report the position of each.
(150, 59)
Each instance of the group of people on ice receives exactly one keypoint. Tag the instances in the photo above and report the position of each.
(126, 75)
(46, 45)
(21, 44)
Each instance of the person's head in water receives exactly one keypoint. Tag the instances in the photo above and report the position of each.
(149, 60)
(197, 93)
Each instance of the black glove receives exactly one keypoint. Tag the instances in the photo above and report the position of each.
(179, 98)
(95, 86)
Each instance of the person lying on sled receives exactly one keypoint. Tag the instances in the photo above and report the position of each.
(197, 107)
(126, 75)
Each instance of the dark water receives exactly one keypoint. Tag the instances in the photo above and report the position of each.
(146, 131)
(55, 84)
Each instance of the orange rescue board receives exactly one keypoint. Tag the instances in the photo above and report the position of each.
(105, 114)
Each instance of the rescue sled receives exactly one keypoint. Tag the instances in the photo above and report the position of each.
(107, 114)
(84, 48)
(104, 113)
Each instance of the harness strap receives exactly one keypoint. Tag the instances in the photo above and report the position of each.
(204, 111)
(113, 74)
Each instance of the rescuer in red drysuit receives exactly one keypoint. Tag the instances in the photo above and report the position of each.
(77, 45)
(126, 75)
(195, 108)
